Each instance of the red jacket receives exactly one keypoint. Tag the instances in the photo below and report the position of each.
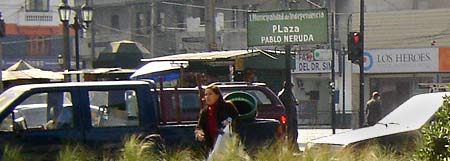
(222, 113)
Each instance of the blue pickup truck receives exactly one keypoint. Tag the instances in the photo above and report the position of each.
(41, 117)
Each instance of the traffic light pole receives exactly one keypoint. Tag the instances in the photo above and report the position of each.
(361, 66)
(333, 77)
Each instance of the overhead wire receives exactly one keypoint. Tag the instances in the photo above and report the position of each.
(203, 7)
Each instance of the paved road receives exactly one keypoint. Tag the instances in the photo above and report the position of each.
(306, 135)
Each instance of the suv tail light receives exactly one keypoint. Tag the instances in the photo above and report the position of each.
(282, 129)
(283, 119)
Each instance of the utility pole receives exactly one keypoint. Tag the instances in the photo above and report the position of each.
(210, 24)
(153, 21)
(333, 77)
(1, 65)
(361, 66)
(342, 55)
(2, 33)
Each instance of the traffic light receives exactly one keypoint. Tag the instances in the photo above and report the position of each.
(355, 50)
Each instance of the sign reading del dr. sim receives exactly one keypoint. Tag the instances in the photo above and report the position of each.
(287, 27)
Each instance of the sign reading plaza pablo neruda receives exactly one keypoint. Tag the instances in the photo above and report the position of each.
(287, 27)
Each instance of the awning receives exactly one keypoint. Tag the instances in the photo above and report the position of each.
(125, 46)
(101, 71)
(23, 70)
(211, 56)
(153, 68)
(31, 74)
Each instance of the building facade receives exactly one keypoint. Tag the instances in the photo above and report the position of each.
(33, 33)
(405, 45)
(397, 73)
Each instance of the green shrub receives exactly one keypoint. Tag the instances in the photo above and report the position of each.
(182, 155)
(136, 149)
(75, 153)
(12, 153)
(435, 136)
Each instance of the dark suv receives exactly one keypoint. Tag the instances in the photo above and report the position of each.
(269, 105)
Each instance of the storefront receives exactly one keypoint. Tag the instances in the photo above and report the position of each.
(311, 78)
(396, 73)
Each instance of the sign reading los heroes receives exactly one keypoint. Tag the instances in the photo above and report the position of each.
(402, 60)
(287, 27)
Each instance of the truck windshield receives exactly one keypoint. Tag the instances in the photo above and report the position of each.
(7, 97)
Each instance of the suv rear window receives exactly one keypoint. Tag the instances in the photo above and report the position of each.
(261, 98)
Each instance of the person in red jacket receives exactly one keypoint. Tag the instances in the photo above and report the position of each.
(214, 116)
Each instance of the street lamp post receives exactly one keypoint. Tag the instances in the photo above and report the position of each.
(86, 17)
(64, 11)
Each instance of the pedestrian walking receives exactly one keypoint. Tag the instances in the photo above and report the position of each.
(290, 103)
(217, 114)
(373, 109)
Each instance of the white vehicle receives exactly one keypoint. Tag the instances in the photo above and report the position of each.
(397, 128)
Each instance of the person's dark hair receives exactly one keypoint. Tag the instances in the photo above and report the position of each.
(217, 91)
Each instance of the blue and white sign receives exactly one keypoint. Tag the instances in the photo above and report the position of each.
(401, 60)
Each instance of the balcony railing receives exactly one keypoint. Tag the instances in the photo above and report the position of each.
(34, 18)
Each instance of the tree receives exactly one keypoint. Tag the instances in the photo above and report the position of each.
(436, 135)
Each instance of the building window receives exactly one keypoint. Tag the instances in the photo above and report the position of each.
(235, 17)
(37, 5)
(180, 14)
(115, 21)
(199, 13)
(38, 45)
(140, 23)
(149, 22)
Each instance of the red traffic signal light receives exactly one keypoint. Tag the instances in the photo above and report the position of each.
(356, 37)
(355, 49)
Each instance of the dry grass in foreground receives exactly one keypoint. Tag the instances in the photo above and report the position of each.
(138, 150)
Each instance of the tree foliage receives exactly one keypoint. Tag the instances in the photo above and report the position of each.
(435, 136)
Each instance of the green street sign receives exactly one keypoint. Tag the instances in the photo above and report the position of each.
(287, 27)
